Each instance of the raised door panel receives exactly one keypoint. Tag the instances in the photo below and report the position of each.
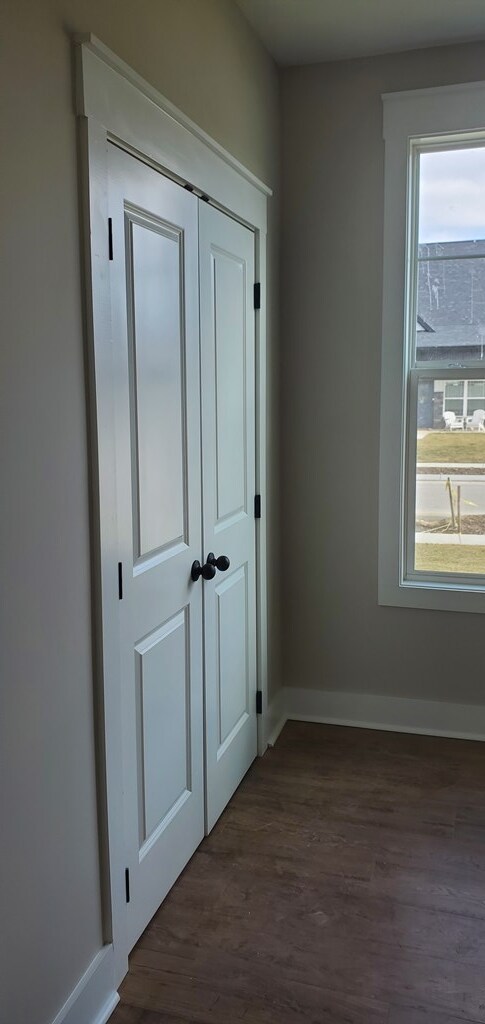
(164, 761)
(157, 386)
(229, 278)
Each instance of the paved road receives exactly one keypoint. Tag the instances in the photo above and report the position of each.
(432, 497)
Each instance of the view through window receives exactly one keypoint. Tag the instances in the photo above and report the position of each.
(448, 363)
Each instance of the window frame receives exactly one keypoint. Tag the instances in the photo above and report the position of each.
(429, 119)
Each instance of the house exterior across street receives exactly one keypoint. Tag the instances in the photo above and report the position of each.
(450, 326)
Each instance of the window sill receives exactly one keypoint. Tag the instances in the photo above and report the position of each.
(433, 596)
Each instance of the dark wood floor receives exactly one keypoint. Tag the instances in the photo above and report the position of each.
(344, 884)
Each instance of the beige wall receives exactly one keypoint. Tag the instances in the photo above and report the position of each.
(202, 55)
(335, 635)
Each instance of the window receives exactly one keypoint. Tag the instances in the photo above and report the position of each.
(432, 479)
(461, 397)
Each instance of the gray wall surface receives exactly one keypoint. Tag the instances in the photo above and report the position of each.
(336, 637)
(203, 56)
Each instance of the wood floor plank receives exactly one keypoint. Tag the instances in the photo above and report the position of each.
(126, 1014)
(344, 884)
(376, 972)
(230, 988)
(322, 922)
(422, 1015)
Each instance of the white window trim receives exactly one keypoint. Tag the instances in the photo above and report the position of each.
(412, 117)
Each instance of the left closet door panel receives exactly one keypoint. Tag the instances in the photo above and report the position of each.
(155, 318)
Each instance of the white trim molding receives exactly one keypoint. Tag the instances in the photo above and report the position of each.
(145, 123)
(414, 121)
(370, 711)
(90, 44)
(94, 998)
(276, 716)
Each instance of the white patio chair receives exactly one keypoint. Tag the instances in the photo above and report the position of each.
(477, 421)
(452, 421)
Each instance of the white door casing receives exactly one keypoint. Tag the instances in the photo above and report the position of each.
(155, 335)
(114, 104)
(227, 330)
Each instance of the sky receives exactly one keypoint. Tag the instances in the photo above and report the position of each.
(452, 195)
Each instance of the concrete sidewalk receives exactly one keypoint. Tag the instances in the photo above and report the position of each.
(451, 538)
(471, 478)
(451, 465)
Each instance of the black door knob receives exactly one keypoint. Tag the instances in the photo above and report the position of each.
(222, 563)
(207, 571)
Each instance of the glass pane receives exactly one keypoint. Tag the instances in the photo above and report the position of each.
(476, 388)
(455, 388)
(451, 249)
(452, 199)
(454, 405)
(451, 305)
(475, 405)
(450, 483)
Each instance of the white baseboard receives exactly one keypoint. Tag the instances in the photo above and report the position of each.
(275, 717)
(366, 711)
(94, 997)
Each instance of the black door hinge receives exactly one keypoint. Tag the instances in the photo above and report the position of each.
(259, 702)
(120, 580)
(110, 238)
(127, 884)
(257, 296)
(257, 506)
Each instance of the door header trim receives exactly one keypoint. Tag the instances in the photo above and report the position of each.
(138, 117)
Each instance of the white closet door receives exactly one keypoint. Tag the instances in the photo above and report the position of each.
(226, 260)
(155, 317)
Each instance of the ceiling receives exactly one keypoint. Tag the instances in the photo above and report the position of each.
(308, 31)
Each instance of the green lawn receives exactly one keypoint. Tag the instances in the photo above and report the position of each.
(468, 558)
(443, 446)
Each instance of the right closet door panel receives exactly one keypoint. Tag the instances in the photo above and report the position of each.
(226, 267)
